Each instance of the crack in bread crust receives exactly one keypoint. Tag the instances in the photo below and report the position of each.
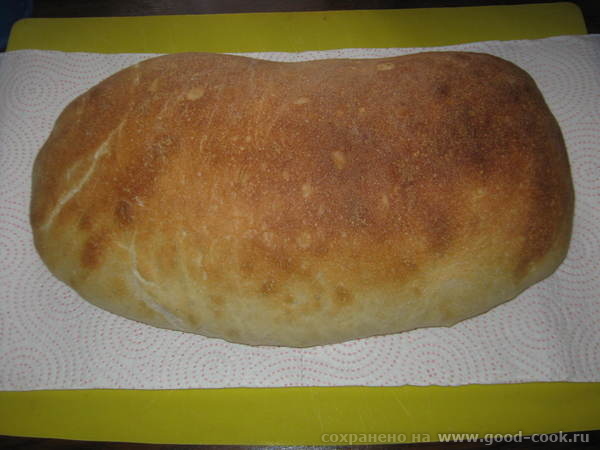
(102, 150)
(143, 287)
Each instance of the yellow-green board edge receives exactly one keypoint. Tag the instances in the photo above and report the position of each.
(298, 31)
(299, 415)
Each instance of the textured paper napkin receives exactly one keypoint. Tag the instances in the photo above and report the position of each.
(52, 339)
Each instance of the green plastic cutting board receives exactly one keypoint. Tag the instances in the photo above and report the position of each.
(298, 31)
(299, 415)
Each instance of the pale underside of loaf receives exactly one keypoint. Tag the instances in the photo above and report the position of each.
(308, 203)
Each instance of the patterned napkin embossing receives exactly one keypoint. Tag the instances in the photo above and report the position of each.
(52, 339)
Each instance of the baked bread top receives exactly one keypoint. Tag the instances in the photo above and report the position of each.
(304, 203)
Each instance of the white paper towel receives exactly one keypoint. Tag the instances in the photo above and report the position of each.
(52, 339)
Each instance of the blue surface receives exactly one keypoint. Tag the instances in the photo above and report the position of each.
(10, 12)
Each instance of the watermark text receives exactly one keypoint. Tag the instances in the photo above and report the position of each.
(487, 439)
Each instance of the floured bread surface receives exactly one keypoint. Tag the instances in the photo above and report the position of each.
(307, 203)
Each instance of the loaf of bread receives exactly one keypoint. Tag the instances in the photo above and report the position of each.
(308, 203)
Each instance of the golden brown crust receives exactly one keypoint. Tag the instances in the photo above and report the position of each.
(304, 203)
